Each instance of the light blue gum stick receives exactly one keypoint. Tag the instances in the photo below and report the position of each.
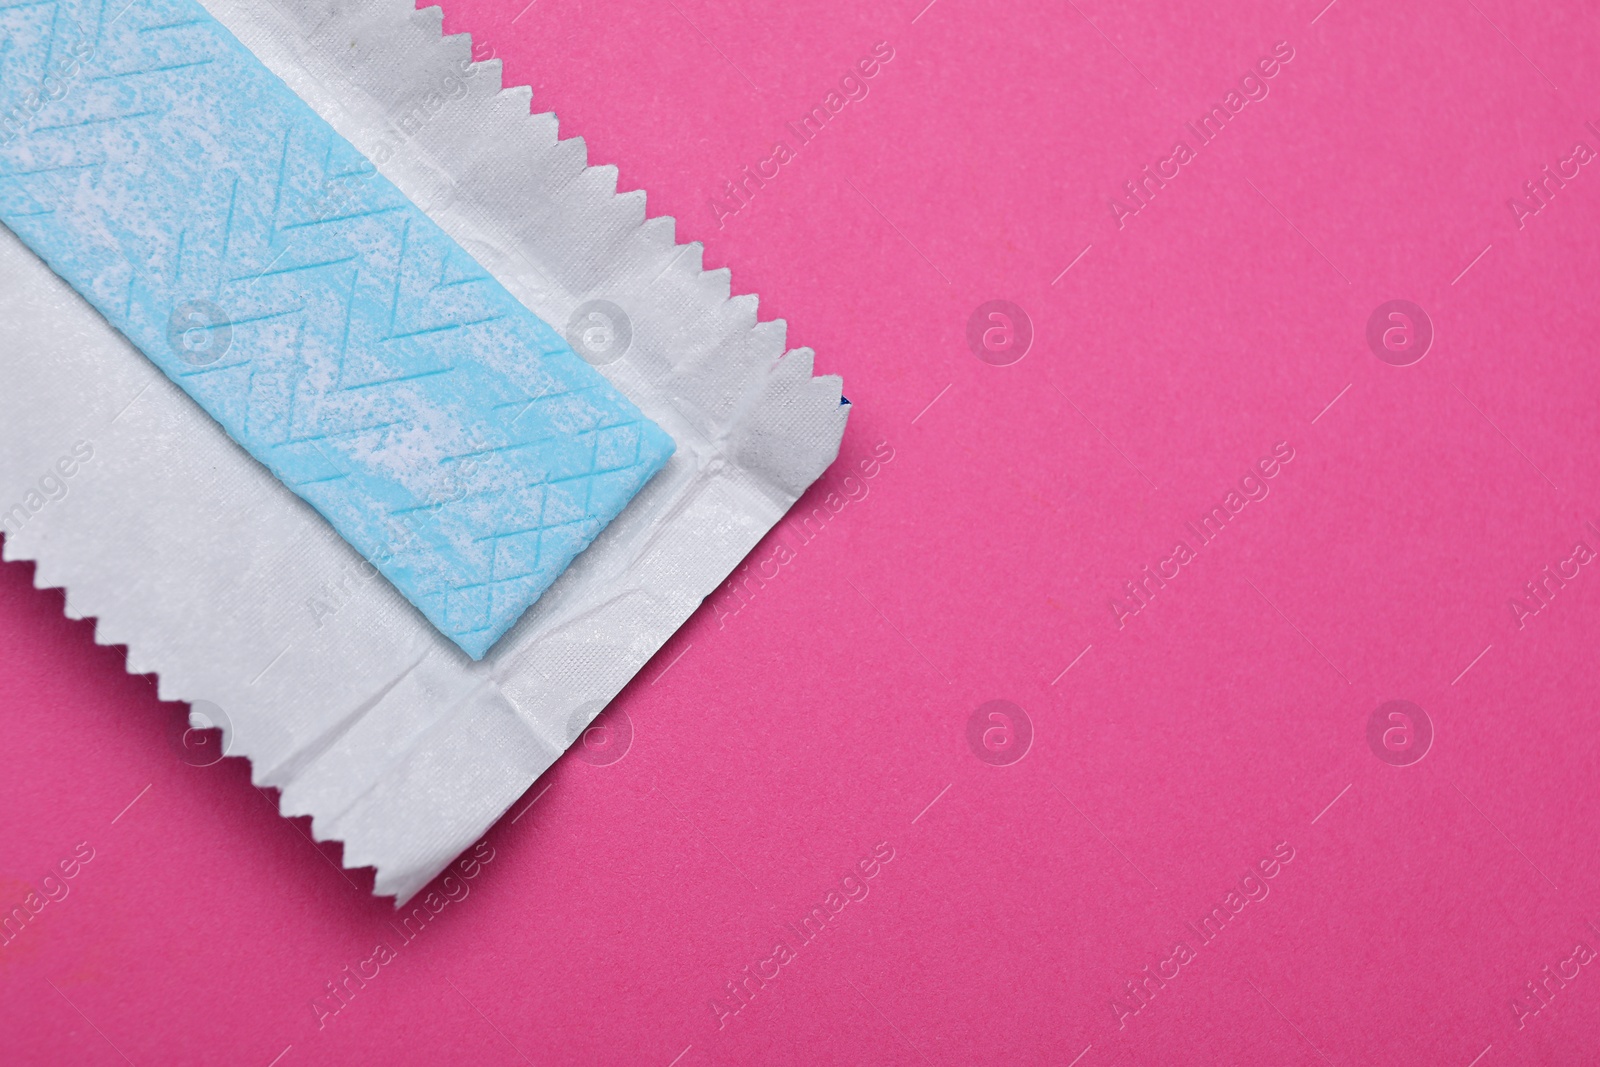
(447, 433)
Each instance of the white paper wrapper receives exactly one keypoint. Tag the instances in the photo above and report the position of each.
(235, 592)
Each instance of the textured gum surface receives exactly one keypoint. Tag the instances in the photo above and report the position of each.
(449, 434)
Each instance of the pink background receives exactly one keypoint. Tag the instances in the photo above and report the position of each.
(776, 745)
